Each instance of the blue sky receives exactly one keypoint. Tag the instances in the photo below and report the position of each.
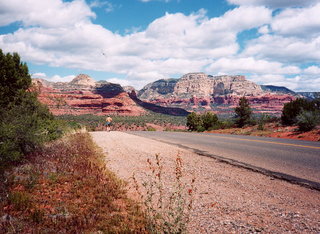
(134, 42)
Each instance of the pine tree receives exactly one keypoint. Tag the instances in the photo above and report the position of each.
(25, 123)
(243, 112)
(14, 79)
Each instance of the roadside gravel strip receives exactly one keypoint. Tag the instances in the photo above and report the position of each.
(228, 199)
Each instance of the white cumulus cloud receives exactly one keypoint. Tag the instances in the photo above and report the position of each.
(284, 49)
(62, 34)
(274, 3)
(300, 22)
(312, 70)
(44, 13)
(54, 78)
(250, 65)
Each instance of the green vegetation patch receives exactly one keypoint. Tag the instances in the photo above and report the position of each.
(25, 124)
(93, 122)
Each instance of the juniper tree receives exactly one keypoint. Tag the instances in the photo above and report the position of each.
(24, 122)
(14, 79)
(243, 112)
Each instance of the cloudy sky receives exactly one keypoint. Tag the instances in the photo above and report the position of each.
(134, 42)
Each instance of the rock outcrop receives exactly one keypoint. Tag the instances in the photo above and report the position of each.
(83, 80)
(85, 96)
(192, 92)
(200, 85)
(278, 89)
(201, 92)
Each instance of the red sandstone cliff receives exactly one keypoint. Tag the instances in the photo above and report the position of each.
(85, 96)
(192, 92)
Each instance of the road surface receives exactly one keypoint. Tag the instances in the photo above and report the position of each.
(292, 160)
(226, 199)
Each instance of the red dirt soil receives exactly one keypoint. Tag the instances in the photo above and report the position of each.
(272, 130)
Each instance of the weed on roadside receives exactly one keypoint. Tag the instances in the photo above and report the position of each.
(166, 210)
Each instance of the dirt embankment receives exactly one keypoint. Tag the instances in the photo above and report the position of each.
(273, 130)
(228, 199)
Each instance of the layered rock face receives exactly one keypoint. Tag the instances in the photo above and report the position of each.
(202, 85)
(158, 89)
(201, 92)
(192, 92)
(85, 96)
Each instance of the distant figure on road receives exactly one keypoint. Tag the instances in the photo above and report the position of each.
(108, 123)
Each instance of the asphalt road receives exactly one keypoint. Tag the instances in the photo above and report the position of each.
(292, 160)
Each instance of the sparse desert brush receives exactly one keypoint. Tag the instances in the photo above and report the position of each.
(166, 210)
(93, 122)
(151, 129)
(67, 188)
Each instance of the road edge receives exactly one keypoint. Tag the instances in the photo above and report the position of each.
(276, 175)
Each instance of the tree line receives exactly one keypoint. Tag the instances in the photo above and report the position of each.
(301, 112)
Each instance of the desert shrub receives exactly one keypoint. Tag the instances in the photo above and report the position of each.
(151, 129)
(308, 120)
(226, 123)
(200, 129)
(92, 122)
(24, 127)
(20, 200)
(243, 113)
(292, 109)
(261, 120)
(194, 121)
(260, 126)
(209, 120)
(203, 122)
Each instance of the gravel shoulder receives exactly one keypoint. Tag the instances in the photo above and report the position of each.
(228, 199)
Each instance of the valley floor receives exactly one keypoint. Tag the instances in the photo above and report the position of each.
(227, 199)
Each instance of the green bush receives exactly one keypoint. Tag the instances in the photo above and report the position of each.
(24, 127)
(227, 123)
(151, 129)
(209, 120)
(261, 121)
(200, 129)
(200, 123)
(292, 109)
(194, 121)
(308, 120)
